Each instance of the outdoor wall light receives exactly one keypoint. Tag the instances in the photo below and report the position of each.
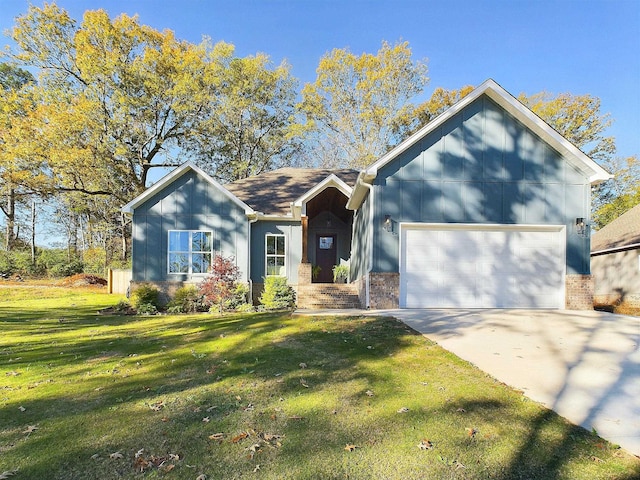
(582, 228)
(388, 223)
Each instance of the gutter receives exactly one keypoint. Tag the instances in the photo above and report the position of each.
(622, 248)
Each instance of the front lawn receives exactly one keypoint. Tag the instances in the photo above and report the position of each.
(270, 396)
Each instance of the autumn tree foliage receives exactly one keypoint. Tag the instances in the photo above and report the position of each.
(354, 108)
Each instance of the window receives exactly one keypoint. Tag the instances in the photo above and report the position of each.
(275, 255)
(190, 251)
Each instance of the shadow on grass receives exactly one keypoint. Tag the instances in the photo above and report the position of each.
(116, 388)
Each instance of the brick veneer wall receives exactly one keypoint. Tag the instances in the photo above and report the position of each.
(384, 290)
(579, 292)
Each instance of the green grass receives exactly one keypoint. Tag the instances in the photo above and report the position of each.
(99, 389)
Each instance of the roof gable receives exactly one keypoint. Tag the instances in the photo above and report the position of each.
(623, 233)
(175, 175)
(504, 99)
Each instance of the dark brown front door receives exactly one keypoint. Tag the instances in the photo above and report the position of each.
(325, 257)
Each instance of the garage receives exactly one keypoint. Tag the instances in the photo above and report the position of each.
(482, 266)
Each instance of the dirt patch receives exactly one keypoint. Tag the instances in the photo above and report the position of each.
(82, 280)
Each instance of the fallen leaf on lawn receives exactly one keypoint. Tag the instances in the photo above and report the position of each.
(30, 429)
(12, 374)
(461, 410)
(253, 449)
(211, 408)
(168, 468)
(156, 407)
(196, 409)
(95, 456)
(139, 452)
(202, 476)
(217, 437)
(238, 397)
(164, 419)
(596, 459)
(22, 409)
(403, 410)
(471, 432)
(116, 455)
(256, 469)
(206, 419)
(350, 448)
(295, 417)
(173, 456)
(369, 393)
(248, 408)
(303, 382)
(239, 437)
(7, 474)
(425, 445)
(302, 365)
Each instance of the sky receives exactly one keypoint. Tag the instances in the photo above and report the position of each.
(575, 46)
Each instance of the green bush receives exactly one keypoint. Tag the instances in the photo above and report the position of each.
(187, 299)
(277, 295)
(238, 298)
(147, 309)
(144, 294)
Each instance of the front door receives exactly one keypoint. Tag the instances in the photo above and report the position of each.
(325, 257)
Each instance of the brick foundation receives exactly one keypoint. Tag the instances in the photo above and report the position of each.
(579, 292)
(384, 290)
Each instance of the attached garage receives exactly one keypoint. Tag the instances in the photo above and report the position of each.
(482, 266)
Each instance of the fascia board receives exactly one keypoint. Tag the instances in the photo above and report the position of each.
(173, 176)
(330, 181)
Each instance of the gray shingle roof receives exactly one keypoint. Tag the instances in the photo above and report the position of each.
(622, 232)
(272, 192)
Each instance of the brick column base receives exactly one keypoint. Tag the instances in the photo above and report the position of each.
(579, 290)
(384, 290)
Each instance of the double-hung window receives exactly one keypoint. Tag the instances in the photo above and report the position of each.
(275, 255)
(190, 251)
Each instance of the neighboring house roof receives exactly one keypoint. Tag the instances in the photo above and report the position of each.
(273, 193)
(173, 176)
(621, 234)
(499, 95)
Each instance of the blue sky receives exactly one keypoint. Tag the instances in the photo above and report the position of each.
(576, 46)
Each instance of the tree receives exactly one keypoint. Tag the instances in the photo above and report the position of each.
(16, 175)
(619, 194)
(116, 98)
(219, 286)
(354, 107)
(249, 123)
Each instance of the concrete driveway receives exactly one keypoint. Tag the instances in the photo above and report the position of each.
(585, 365)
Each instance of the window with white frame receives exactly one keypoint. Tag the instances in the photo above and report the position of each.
(275, 248)
(190, 251)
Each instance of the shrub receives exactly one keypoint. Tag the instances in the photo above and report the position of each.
(219, 286)
(340, 273)
(187, 299)
(277, 294)
(238, 298)
(144, 294)
(147, 309)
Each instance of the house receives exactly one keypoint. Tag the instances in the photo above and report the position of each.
(615, 260)
(478, 209)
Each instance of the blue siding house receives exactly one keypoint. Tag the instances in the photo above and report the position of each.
(484, 207)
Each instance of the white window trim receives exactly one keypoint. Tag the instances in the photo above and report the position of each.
(267, 255)
(189, 253)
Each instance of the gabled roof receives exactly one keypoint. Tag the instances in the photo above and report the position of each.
(273, 193)
(173, 176)
(512, 105)
(621, 234)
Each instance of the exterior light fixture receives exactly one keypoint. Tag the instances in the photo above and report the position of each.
(582, 227)
(388, 224)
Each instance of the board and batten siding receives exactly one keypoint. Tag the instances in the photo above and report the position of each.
(188, 203)
(293, 234)
(360, 242)
(481, 166)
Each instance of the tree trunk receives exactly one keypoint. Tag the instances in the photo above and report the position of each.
(33, 234)
(11, 219)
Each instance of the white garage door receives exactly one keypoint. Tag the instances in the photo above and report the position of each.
(490, 266)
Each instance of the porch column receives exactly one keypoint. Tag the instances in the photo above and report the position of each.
(305, 230)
